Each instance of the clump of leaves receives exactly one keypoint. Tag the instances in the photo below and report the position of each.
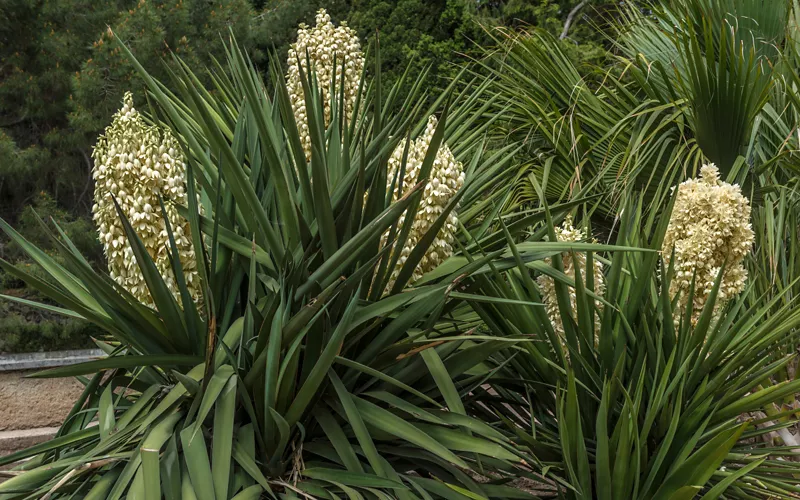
(641, 406)
(294, 380)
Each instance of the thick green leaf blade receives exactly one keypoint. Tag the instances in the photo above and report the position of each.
(115, 362)
(197, 464)
(222, 439)
(359, 479)
(387, 421)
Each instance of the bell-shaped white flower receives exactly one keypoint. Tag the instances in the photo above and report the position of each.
(446, 178)
(567, 233)
(322, 46)
(134, 163)
(709, 227)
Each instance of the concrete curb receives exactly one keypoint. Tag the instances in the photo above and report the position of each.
(40, 360)
(26, 437)
(14, 441)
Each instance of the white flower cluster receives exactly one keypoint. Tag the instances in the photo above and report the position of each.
(446, 178)
(570, 262)
(709, 227)
(320, 45)
(134, 163)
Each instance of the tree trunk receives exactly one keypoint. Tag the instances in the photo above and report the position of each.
(571, 18)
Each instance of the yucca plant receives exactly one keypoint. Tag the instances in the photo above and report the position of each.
(298, 373)
(644, 404)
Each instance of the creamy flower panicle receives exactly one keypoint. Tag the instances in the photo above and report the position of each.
(446, 178)
(709, 227)
(570, 262)
(135, 162)
(323, 46)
